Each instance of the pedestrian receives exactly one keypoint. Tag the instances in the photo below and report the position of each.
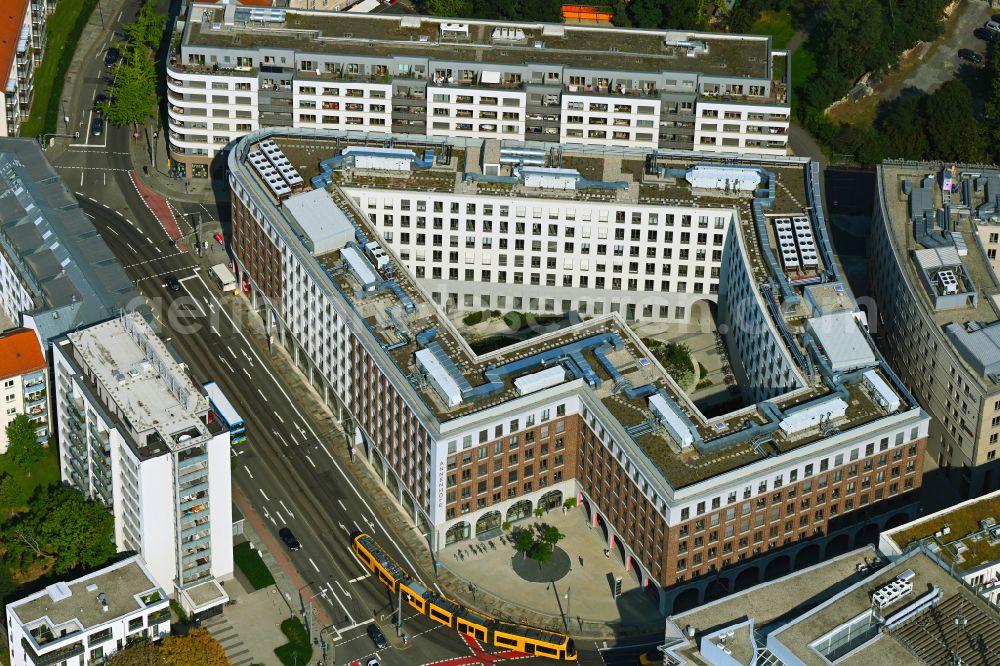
(581, 559)
(145, 170)
(607, 553)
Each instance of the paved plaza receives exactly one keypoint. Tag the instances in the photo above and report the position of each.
(585, 595)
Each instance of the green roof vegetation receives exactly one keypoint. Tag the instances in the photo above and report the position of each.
(962, 522)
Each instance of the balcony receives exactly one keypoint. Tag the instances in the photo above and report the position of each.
(54, 657)
(612, 89)
(196, 68)
(346, 77)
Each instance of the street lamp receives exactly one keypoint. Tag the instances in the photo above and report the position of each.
(331, 646)
(302, 606)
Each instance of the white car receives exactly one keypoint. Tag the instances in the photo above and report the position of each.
(992, 26)
(373, 662)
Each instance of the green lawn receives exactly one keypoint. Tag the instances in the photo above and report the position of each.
(776, 24)
(803, 67)
(297, 650)
(44, 473)
(63, 28)
(252, 566)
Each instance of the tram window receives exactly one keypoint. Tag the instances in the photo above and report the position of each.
(541, 649)
(480, 635)
(439, 616)
(501, 640)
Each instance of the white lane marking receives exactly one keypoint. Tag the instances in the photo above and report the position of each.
(90, 216)
(112, 230)
(130, 246)
(90, 119)
(249, 360)
(262, 395)
(81, 177)
(281, 517)
(231, 351)
(315, 436)
(310, 460)
(264, 494)
(287, 510)
(226, 361)
(278, 415)
(347, 613)
(283, 440)
(216, 331)
(248, 471)
(355, 580)
(245, 371)
(343, 508)
(342, 526)
(314, 565)
(342, 589)
(358, 527)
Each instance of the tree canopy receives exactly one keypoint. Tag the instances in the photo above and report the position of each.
(141, 654)
(197, 648)
(22, 442)
(132, 95)
(63, 527)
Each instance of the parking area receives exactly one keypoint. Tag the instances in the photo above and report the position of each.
(941, 62)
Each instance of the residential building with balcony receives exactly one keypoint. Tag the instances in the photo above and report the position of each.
(825, 443)
(22, 44)
(86, 620)
(56, 273)
(240, 68)
(137, 435)
(23, 382)
(932, 268)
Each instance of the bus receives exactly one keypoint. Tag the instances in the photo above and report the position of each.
(226, 413)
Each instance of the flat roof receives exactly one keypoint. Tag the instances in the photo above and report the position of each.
(320, 219)
(152, 390)
(74, 605)
(589, 47)
(967, 544)
(894, 646)
(842, 341)
(399, 317)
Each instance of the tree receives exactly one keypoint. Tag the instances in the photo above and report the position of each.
(551, 536)
(22, 443)
(524, 541)
(647, 13)
(197, 648)
(455, 8)
(133, 92)
(147, 28)
(903, 129)
(141, 654)
(953, 130)
(62, 526)
(682, 14)
(10, 491)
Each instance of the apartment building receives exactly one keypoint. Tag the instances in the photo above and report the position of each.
(827, 445)
(23, 382)
(965, 538)
(86, 620)
(932, 271)
(22, 44)
(56, 273)
(137, 435)
(242, 68)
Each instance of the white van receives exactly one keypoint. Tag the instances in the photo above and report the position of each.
(223, 277)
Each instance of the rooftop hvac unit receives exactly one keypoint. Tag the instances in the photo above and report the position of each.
(948, 281)
(893, 591)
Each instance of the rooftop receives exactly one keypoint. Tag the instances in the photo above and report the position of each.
(156, 398)
(622, 375)
(75, 606)
(521, 44)
(20, 353)
(967, 534)
(11, 23)
(74, 277)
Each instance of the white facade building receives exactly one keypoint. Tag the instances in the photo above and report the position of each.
(242, 68)
(136, 435)
(85, 621)
(23, 382)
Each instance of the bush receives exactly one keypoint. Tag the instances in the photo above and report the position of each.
(252, 566)
(473, 318)
(298, 650)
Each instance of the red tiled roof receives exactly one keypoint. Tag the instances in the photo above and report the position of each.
(11, 21)
(20, 353)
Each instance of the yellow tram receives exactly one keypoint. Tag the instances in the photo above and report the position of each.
(485, 629)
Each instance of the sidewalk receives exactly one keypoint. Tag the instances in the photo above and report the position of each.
(159, 178)
(501, 595)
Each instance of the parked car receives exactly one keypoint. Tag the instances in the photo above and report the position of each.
(173, 284)
(373, 662)
(99, 100)
(289, 539)
(111, 57)
(992, 25)
(970, 55)
(378, 638)
(97, 126)
(985, 35)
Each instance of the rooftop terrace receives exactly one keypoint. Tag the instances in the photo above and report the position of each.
(603, 353)
(74, 606)
(585, 47)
